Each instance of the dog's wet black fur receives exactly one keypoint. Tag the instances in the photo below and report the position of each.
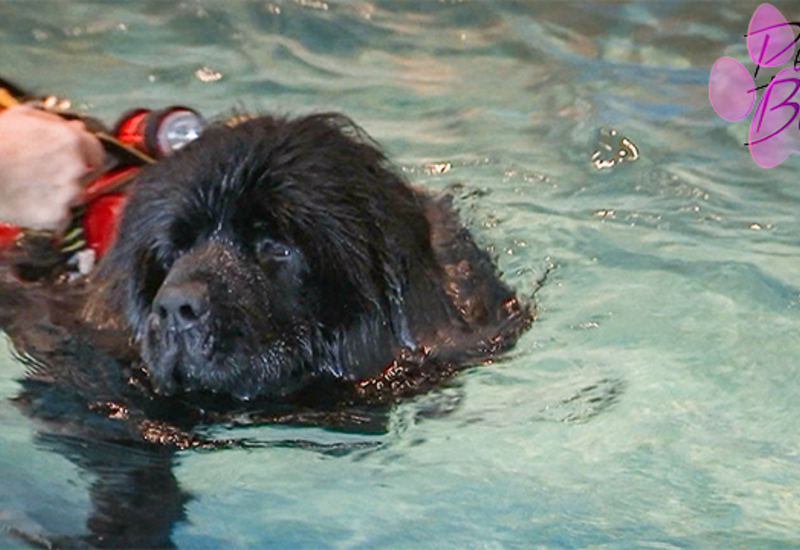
(286, 254)
(279, 267)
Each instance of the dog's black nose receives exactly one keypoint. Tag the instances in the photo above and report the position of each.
(181, 306)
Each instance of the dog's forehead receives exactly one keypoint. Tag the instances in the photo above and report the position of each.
(311, 176)
(280, 203)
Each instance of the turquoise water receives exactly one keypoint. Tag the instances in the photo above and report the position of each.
(655, 402)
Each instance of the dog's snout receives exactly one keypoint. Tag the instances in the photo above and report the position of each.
(183, 305)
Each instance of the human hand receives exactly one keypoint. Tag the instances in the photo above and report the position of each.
(42, 160)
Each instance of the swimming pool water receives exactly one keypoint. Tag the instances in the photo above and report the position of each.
(654, 403)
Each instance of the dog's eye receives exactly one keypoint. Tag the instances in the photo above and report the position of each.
(267, 249)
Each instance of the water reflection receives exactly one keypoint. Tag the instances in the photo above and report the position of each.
(81, 387)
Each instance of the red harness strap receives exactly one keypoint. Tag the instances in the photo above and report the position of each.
(140, 137)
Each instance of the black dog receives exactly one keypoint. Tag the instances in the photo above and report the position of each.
(279, 268)
(281, 255)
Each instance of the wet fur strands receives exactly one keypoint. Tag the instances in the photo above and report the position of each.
(285, 254)
(278, 271)
(283, 262)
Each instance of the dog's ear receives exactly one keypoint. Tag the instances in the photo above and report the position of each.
(118, 289)
(103, 308)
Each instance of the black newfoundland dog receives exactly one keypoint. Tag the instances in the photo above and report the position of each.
(278, 270)
(286, 256)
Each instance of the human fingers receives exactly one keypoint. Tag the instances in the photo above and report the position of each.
(29, 112)
(59, 132)
(90, 148)
(51, 214)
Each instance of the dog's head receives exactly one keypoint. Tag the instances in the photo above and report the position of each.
(264, 255)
